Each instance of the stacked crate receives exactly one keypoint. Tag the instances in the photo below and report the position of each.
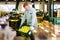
(58, 13)
(14, 21)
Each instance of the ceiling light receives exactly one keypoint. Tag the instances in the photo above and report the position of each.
(22, 0)
(46, 0)
(38, 0)
(53, 0)
(30, 0)
(6, 0)
(14, 0)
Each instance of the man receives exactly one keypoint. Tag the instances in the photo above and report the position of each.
(30, 16)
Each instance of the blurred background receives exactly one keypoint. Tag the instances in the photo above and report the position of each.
(48, 16)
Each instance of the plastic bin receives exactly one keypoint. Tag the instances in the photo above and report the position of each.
(24, 31)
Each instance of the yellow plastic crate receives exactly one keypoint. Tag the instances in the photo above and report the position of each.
(13, 20)
(40, 24)
(24, 29)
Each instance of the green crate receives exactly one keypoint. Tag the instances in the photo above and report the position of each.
(14, 24)
(56, 20)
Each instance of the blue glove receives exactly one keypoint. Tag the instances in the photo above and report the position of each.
(20, 26)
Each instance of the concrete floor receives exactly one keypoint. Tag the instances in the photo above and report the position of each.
(22, 38)
(52, 38)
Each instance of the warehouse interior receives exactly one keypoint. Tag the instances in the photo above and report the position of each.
(48, 20)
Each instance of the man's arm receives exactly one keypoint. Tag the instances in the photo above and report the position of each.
(33, 17)
(22, 21)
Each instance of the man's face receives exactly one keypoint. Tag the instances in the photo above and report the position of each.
(26, 7)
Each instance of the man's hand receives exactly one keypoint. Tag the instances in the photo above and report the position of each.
(20, 26)
(32, 29)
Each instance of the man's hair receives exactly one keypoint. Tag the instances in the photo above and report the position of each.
(25, 4)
